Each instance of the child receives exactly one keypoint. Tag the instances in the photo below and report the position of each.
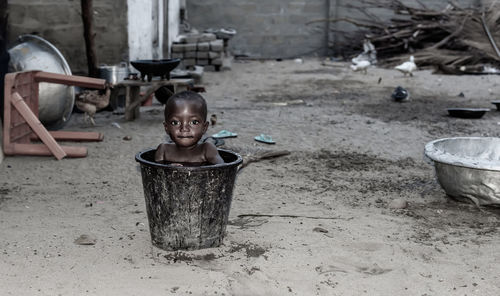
(185, 123)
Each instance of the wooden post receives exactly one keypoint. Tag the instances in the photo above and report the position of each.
(89, 35)
(4, 55)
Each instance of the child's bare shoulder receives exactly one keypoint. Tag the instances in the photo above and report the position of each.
(162, 150)
(211, 153)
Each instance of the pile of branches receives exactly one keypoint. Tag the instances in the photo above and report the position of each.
(456, 40)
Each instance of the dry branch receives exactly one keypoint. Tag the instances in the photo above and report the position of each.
(451, 38)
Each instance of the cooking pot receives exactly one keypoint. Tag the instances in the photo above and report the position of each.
(114, 74)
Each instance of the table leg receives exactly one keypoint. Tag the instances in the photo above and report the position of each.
(131, 96)
(136, 95)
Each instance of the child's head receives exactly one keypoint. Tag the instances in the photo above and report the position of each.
(186, 118)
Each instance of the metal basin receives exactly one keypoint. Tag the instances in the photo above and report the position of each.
(468, 168)
(55, 101)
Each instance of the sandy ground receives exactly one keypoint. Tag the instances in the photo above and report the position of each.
(354, 155)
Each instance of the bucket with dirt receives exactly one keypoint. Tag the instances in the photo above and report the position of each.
(188, 207)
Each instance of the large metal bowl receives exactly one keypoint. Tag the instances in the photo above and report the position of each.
(55, 101)
(468, 168)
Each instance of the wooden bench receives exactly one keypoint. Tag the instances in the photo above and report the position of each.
(134, 98)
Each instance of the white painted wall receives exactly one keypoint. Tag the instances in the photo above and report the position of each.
(146, 27)
(140, 29)
(173, 21)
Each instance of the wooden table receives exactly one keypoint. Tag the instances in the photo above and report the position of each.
(134, 99)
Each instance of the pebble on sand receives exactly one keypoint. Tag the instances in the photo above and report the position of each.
(86, 239)
(398, 204)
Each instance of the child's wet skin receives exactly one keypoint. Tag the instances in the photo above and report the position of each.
(185, 123)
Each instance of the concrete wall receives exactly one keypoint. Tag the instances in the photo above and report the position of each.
(60, 23)
(266, 29)
(282, 28)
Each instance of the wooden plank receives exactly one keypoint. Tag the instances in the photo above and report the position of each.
(70, 80)
(43, 150)
(74, 136)
(35, 124)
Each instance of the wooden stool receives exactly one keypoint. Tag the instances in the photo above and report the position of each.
(21, 124)
(134, 98)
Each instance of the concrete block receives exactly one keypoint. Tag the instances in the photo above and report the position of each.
(216, 62)
(202, 54)
(190, 54)
(202, 62)
(192, 38)
(213, 55)
(203, 46)
(181, 39)
(190, 47)
(189, 62)
(177, 55)
(177, 47)
(209, 68)
(227, 63)
(207, 37)
(217, 45)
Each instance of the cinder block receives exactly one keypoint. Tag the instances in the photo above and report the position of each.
(181, 39)
(209, 68)
(202, 62)
(213, 55)
(217, 45)
(207, 37)
(216, 62)
(202, 54)
(190, 54)
(203, 46)
(177, 55)
(192, 38)
(176, 47)
(189, 62)
(190, 47)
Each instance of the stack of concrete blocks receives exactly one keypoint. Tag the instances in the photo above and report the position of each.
(199, 49)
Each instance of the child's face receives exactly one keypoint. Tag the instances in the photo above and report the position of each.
(185, 124)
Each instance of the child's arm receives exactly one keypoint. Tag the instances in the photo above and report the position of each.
(160, 153)
(211, 154)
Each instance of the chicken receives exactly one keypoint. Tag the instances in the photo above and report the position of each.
(90, 101)
(213, 119)
(407, 67)
(361, 66)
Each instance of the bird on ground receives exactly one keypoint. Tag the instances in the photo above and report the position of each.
(361, 66)
(407, 67)
(90, 101)
(213, 119)
(400, 94)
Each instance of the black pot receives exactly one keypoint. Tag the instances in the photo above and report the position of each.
(150, 68)
(467, 112)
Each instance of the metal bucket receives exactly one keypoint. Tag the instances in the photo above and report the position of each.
(188, 207)
(114, 74)
(468, 168)
(55, 101)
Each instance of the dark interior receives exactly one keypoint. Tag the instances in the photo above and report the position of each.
(227, 156)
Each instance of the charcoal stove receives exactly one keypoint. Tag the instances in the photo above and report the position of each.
(150, 68)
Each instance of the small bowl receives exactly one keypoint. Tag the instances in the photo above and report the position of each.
(467, 112)
(497, 104)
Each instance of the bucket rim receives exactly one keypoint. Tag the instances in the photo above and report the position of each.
(238, 161)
